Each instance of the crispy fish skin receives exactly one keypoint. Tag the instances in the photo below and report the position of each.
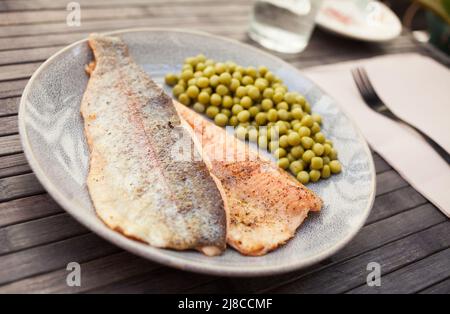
(265, 205)
(137, 184)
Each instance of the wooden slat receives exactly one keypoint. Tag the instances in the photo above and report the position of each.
(8, 125)
(350, 274)
(38, 232)
(19, 186)
(12, 88)
(392, 203)
(52, 256)
(10, 144)
(95, 273)
(13, 165)
(388, 181)
(412, 278)
(9, 106)
(45, 16)
(18, 71)
(27, 208)
(27, 55)
(380, 164)
(369, 238)
(442, 287)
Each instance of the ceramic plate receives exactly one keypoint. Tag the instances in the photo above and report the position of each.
(361, 19)
(51, 130)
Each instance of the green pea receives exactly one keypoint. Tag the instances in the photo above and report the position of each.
(192, 81)
(284, 141)
(290, 98)
(283, 163)
(307, 142)
(294, 138)
(279, 153)
(262, 142)
(315, 128)
(326, 172)
(282, 105)
(263, 70)
(297, 113)
(236, 109)
(225, 78)
(246, 102)
(251, 71)
(227, 101)
(213, 80)
(235, 83)
(215, 100)
(241, 132)
(326, 160)
(274, 145)
(296, 167)
(327, 149)
(226, 112)
(236, 100)
(187, 75)
(277, 97)
(177, 90)
(268, 93)
(212, 111)
(233, 121)
(254, 110)
(171, 79)
(335, 166)
(209, 62)
(222, 90)
(333, 154)
(220, 119)
(261, 118)
(272, 115)
(282, 128)
(297, 151)
(283, 115)
(199, 107)
(241, 91)
(247, 80)
(187, 67)
(314, 175)
(329, 142)
(307, 121)
(231, 65)
(207, 90)
(192, 91)
(243, 116)
(253, 92)
(299, 99)
(319, 137)
(269, 76)
(317, 118)
(209, 71)
(316, 163)
(296, 126)
(202, 82)
(290, 157)
(253, 134)
(184, 99)
(303, 177)
(237, 75)
(182, 83)
(261, 83)
(307, 156)
(198, 74)
(307, 107)
(200, 66)
(318, 149)
(220, 68)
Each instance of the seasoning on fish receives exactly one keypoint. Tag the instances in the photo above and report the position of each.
(138, 185)
(265, 205)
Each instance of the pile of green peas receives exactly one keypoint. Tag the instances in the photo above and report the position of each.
(262, 110)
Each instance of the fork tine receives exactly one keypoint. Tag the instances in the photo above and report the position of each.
(370, 89)
(360, 85)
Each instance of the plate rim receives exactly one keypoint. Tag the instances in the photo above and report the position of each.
(157, 254)
(350, 35)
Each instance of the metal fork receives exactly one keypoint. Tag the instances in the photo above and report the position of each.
(372, 99)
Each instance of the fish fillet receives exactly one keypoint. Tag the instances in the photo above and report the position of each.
(265, 205)
(138, 184)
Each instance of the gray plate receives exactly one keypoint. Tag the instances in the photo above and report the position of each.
(54, 143)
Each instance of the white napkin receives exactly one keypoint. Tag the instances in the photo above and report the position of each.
(417, 89)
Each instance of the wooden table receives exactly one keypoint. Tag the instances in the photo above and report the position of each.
(406, 234)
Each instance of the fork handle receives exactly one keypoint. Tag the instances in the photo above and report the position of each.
(438, 148)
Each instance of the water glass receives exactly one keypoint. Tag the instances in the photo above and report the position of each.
(283, 25)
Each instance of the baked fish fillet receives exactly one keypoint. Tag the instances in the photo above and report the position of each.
(265, 205)
(138, 185)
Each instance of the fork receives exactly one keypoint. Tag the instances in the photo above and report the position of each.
(375, 103)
